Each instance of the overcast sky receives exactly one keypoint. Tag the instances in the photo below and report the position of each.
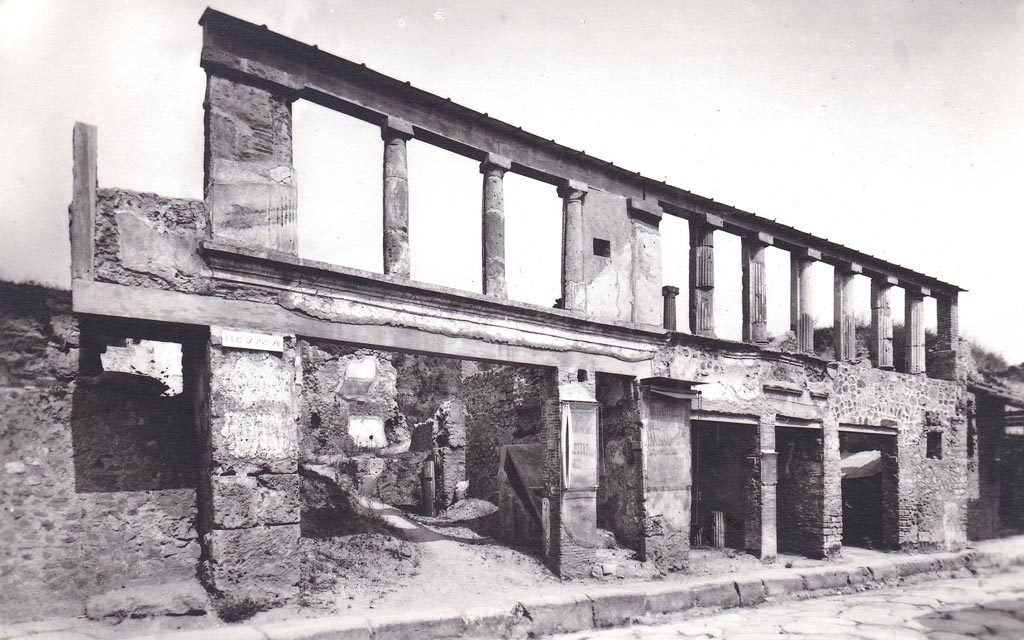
(891, 127)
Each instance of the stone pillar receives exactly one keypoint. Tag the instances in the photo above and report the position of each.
(645, 216)
(755, 291)
(667, 476)
(669, 294)
(944, 358)
(801, 316)
(913, 326)
(845, 326)
(702, 275)
(569, 505)
(574, 291)
(832, 487)
(760, 505)
(83, 201)
(493, 227)
(881, 322)
(396, 197)
(249, 178)
(249, 487)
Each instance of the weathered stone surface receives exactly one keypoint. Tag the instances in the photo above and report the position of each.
(259, 564)
(167, 599)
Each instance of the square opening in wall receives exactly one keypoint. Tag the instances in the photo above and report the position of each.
(602, 248)
(934, 445)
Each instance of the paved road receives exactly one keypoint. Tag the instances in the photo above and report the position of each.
(991, 607)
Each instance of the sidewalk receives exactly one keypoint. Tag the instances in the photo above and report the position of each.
(568, 607)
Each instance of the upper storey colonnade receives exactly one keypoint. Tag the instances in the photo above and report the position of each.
(251, 194)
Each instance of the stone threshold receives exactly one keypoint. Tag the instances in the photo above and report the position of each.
(603, 606)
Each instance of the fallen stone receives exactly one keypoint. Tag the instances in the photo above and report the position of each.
(169, 599)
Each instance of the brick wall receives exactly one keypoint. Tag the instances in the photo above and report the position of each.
(801, 492)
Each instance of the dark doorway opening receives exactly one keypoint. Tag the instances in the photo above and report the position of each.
(869, 489)
(800, 514)
(723, 468)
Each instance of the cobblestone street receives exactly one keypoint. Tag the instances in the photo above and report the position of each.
(988, 607)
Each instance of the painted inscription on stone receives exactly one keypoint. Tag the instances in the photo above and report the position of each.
(667, 444)
(579, 444)
(253, 341)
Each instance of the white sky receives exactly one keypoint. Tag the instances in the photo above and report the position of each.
(892, 127)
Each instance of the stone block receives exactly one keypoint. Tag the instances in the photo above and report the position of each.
(277, 499)
(858, 575)
(782, 585)
(617, 608)
(721, 593)
(427, 625)
(233, 501)
(558, 614)
(916, 565)
(824, 578)
(329, 628)
(751, 591)
(488, 622)
(170, 599)
(259, 564)
(668, 599)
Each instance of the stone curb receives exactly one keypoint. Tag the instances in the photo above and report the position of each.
(603, 606)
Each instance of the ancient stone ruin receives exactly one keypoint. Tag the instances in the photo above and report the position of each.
(302, 389)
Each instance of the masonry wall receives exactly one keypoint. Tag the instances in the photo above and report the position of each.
(97, 472)
(801, 492)
(620, 495)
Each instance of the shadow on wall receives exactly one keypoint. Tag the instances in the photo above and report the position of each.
(128, 434)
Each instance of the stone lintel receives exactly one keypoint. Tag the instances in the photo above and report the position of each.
(397, 127)
(646, 210)
(850, 267)
(494, 161)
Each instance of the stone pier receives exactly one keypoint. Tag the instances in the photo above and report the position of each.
(760, 519)
(569, 507)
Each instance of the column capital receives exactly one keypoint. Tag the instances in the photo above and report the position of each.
(761, 238)
(806, 253)
(849, 267)
(645, 210)
(916, 291)
(708, 220)
(669, 290)
(493, 163)
(396, 128)
(882, 280)
(572, 189)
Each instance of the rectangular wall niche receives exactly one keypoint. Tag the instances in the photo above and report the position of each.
(602, 248)
(934, 445)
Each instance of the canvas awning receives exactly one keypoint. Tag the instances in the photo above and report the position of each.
(861, 464)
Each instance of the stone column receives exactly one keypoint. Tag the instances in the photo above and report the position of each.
(669, 294)
(845, 325)
(493, 228)
(667, 476)
(913, 326)
(760, 515)
(755, 292)
(944, 358)
(801, 315)
(569, 506)
(249, 487)
(396, 197)
(574, 291)
(702, 275)
(249, 178)
(881, 322)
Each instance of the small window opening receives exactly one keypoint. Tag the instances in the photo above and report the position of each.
(602, 248)
(581, 375)
(934, 445)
